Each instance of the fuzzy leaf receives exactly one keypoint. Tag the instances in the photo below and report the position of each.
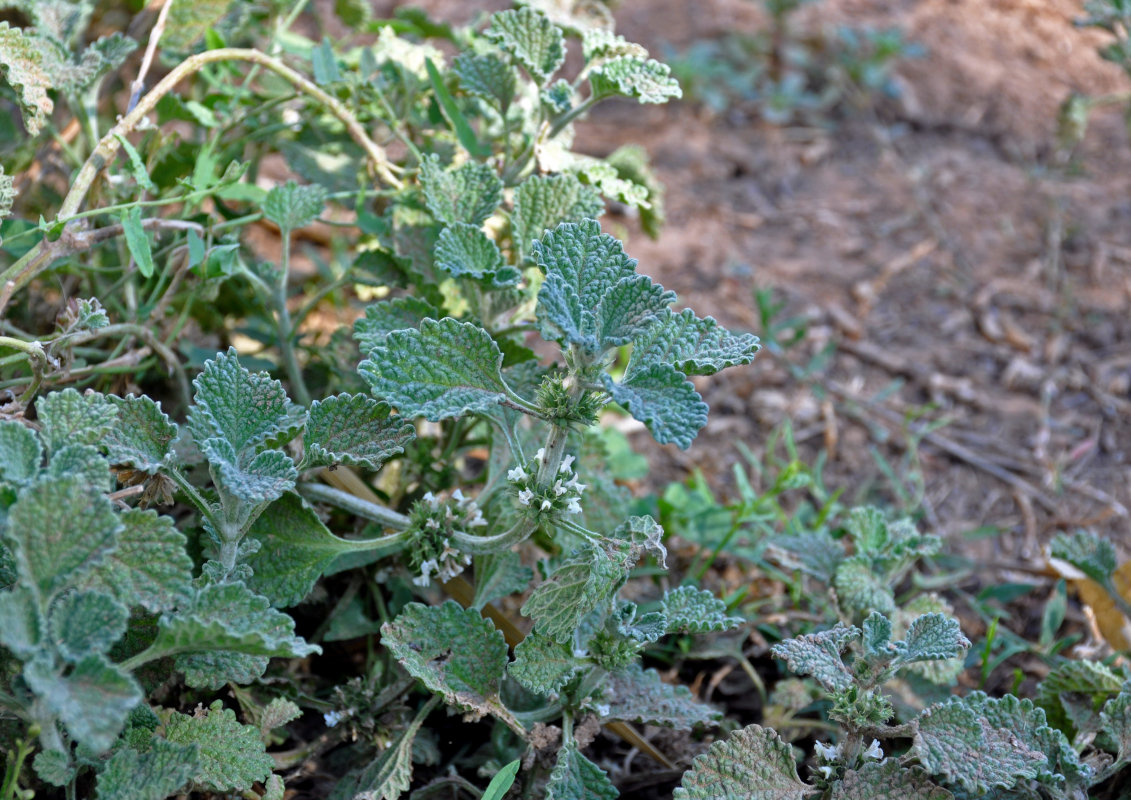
(453, 651)
(82, 461)
(750, 764)
(888, 781)
(932, 637)
(446, 369)
(291, 206)
(24, 61)
(355, 430)
(231, 756)
(389, 776)
(227, 634)
(68, 417)
(583, 582)
(464, 251)
(875, 636)
(499, 575)
(251, 478)
(542, 665)
(58, 530)
(20, 453)
(296, 548)
(953, 741)
(860, 590)
(468, 194)
(693, 345)
(488, 77)
(21, 628)
(692, 610)
(598, 43)
(190, 19)
(383, 318)
(1116, 721)
(818, 654)
(92, 699)
(646, 79)
(245, 409)
(142, 436)
(149, 567)
(161, 771)
(664, 400)
(588, 263)
(86, 622)
(531, 39)
(7, 194)
(637, 695)
(54, 767)
(1090, 681)
(575, 777)
(542, 202)
(628, 309)
(1091, 554)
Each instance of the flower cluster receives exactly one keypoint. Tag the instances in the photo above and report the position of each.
(830, 755)
(433, 553)
(563, 496)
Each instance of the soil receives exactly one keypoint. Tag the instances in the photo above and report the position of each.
(964, 273)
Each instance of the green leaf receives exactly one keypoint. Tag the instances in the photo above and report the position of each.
(499, 575)
(887, 781)
(542, 202)
(137, 241)
(692, 610)
(818, 654)
(488, 77)
(875, 636)
(575, 776)
(1090, 681)
(664, 400)
(188, 21)
(137, 165)
(1116, 721)
(355, 430)
(58, 530)
(502, 782)
(161, 771)
(1091, 554)
(23, 61)
(464, 251)
(646, 79)
(142, 436)
(20, 453)
(85, 462)
(953, 741)
(931, 637)
(469, 194)
(54, 767)
(453, 651)
(582, 583)
(231, 756)
(324, 64)
(68, 417)
(637, 695)
(693, 345)
(531, 39)
(92, 699)
(383, 318)
(291, 206)
(463, 130)
(750, 764)
(149, 567)
(227, 633)
(598, 43)
(447, 368)
(296, 548)
(860, 590)
(21, 627)
(245, 409)
(250, 479)
(84, 623)
(542, 665)
(389, 776)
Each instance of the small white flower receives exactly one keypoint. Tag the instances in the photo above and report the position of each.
(559, 490)
(566, 462)
(431, 524)
(826, 751)
(457, 495)
(827, 771)
(875, 751)
(540, 455)
(573, 507)
(547, 505)
(525, 496)
(332, 718)
(431, 500)
(517, 474)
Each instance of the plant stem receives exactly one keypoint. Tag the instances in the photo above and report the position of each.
(24, 270)
(285, 330)
(354, 505)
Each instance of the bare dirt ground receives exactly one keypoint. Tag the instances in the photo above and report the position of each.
(959, 270)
